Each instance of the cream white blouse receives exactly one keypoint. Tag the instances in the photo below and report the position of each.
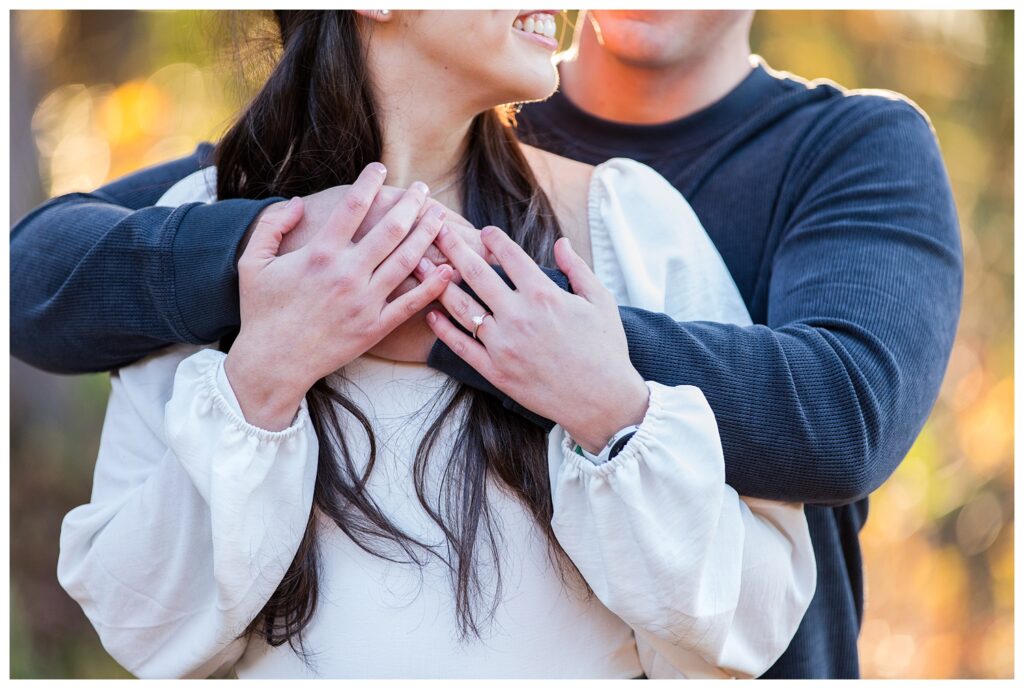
(196, 514)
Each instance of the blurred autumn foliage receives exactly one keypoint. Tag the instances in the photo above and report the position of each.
(95, 95)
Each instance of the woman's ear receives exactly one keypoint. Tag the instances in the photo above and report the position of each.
(377, 15)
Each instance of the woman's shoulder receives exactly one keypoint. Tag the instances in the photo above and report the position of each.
(566, 183)
(635, 186)
(548, 166)
(627, 196)
(576, 189)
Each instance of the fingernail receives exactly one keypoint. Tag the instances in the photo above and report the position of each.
(487, 231)
(291, 202)
(431, 316)
(445, 272)
(425, 265)
(421, 188)
(379, 169)
(443, 231)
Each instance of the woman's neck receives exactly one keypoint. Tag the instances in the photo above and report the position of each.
(425, 124)
(425, 151)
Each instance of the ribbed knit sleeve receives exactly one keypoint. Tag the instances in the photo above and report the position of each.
(822, 402)
(102, 279)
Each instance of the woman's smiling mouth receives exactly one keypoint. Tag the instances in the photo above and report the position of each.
(538, 25)
(541, 23)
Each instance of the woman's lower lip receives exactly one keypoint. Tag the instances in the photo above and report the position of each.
(549, 43)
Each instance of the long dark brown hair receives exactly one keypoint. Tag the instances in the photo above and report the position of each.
(312, 126)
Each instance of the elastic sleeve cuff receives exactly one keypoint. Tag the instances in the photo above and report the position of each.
(651, 428)
(214, 384)
(204, 261)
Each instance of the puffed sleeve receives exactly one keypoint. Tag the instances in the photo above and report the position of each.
(195, 517)
(713, 584)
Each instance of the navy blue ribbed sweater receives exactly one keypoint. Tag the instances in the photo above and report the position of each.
(832, 210)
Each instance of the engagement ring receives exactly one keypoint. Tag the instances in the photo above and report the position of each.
(477, 322)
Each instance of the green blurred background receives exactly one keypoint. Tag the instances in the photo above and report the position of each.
(95, 95)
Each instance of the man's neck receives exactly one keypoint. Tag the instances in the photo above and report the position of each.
(604, 86)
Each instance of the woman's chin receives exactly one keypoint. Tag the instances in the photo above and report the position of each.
(540, 88)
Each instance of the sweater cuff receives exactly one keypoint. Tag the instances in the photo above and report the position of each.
(204, 262)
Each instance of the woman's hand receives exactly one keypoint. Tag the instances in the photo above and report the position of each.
(563, 356)
(318, 208)
(310, 312)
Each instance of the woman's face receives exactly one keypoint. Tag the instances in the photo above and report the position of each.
(492, 56)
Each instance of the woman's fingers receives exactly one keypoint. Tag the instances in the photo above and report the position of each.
(581, 277)
(459, 305)
(403, 260)
(474, 270)
(270, 229)
(354, 205)
(407, 305)
(517, 263)
(462, 307)
(387, 234)
(464, 346)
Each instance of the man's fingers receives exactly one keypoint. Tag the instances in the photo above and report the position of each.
(517, 263)
(581, 277)
(387, 234)
(271, 228)
(406, 306)
(434, 255)
(474, 270)
(406, 285)
(464, 346)
(354, 205)
(404, 259)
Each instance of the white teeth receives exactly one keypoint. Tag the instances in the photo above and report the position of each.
(541, 24)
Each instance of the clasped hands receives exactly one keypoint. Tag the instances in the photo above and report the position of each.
(351, 270)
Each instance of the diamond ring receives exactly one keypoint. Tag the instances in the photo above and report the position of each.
(477, 322)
